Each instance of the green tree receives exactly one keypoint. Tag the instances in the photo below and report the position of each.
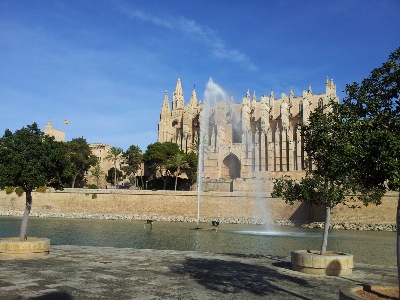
(371, 111)
(97, 172)
(329, 142)
(30, 159)
(177, 164)
(114, 154)
(354, 146)
(156, 157)
(314, 189)
(192, 158)
(326, 184)
(81, 158)
(113, 175)
(134, 159)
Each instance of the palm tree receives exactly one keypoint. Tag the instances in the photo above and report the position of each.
(97, 172)
(178, 163)
(114, 154)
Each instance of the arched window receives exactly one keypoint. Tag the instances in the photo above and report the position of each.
(321, 103)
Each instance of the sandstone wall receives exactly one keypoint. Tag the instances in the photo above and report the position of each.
(214, 205)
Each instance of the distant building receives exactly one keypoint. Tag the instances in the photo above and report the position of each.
(58, 135)
(257, 138)
(100, 150)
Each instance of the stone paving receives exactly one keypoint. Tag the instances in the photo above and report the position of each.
(77, 272)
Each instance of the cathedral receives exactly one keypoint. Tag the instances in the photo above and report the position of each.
(257, 138)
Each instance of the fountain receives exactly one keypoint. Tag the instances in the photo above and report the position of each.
(214, 105)
(211, 93)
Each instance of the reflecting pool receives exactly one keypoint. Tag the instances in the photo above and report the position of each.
(371, 247)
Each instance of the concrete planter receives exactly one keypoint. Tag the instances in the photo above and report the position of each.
(331, 264)
(350, 293)
(30, 248)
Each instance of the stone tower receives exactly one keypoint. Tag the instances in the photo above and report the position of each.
(181, 123)
(58, 135)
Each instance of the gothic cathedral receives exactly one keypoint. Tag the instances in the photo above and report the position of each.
(252, 139)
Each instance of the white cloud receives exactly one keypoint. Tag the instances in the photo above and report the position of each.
(137, 14)
(205, 35)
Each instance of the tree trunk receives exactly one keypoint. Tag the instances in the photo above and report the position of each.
(115, 174)
(165, 181)
(326, 227)
(176, 181)
(74, 180)
(24, 224)
(398, 241)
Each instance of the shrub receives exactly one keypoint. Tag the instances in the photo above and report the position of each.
(41, 189)
(9, 189)
(94, 196)
(92, 186)
(19, 191)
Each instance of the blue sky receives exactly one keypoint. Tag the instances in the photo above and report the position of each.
(105, 65)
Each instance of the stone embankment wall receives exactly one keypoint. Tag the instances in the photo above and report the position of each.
(227, 207)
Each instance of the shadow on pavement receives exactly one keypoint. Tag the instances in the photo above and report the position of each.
(283, 264)
(232, 277)
(280, 261)
(54, 296)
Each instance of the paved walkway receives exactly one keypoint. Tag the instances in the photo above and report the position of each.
(72, 272)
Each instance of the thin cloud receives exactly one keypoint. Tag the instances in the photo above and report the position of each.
(218, 47)
(137, 14)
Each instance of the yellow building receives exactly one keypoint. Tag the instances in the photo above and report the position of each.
(58, 135)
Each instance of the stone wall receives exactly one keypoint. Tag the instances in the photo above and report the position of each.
(233, 207)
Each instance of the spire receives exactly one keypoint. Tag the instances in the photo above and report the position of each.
(310, 89)
(177, 99)
(193, 99)
(264, 99)
(271, 96)
(291, 94)
(254, 100)
(330, 86)
(246, 100)
(165, 110)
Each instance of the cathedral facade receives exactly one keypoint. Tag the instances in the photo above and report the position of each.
(257, 138)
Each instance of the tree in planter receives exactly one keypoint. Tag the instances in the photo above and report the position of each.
(114, 154)
(315, 190)
(177, 164)
(81, 158)
(372, 111)
(329, 140)
(156, 157)
(30, 159)
(97, 172)
(355, 146)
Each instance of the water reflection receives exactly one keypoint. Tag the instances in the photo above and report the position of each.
(367, 247)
